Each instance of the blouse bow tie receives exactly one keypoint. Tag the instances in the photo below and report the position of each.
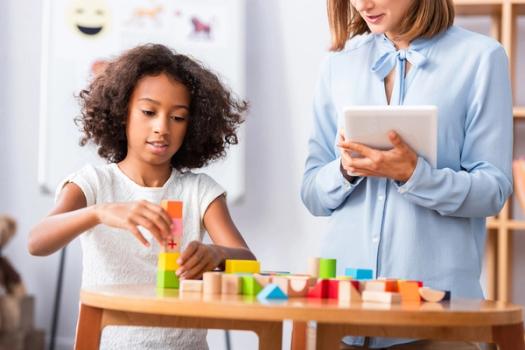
(393, 58)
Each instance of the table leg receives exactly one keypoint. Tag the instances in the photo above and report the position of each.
(270, 335)
(299, 335)
(509, 337)
(89, 327)
(329, 336)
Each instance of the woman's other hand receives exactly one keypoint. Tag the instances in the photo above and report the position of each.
(397, 163)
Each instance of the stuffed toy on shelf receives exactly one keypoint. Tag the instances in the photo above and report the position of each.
(17, 330)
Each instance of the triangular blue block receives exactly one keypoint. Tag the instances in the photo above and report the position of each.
(271, 291)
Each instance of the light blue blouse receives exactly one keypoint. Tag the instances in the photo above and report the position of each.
(431, 228)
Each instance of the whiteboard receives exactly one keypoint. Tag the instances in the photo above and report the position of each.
(79, 34)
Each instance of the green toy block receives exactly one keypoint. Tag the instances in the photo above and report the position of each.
(327, 268)
(167, 279)
(250, 286)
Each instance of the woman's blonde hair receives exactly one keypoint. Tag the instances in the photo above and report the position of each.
(425, 18)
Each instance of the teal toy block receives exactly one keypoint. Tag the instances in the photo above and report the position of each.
(250, 286)
(167, 279)
(359, 274)
(271, 291)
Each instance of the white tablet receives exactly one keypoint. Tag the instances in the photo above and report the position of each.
(417, 125)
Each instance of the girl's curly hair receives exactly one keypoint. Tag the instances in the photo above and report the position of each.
(215, 113)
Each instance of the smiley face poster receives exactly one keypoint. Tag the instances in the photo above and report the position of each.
(81, 36)
(89, 18)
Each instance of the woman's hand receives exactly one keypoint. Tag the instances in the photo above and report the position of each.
(198, 258)
(130, 215)
(397, 163)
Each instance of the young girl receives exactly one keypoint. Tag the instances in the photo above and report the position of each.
(397, 215)
(154, 115)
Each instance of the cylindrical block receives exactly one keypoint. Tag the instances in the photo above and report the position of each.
(327, 268)
(313, 267)
(212, 282)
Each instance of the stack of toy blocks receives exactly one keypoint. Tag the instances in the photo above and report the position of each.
(167, 263)
(243, 277)
(358, 285)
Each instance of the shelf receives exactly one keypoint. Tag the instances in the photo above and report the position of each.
(478, 3)
(519, 7)
(494, 224)
(478, 8)
(487, 7)
(519, 112)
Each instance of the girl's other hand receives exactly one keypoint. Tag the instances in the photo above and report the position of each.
(130, 215)
(397, 163)
(198, 258)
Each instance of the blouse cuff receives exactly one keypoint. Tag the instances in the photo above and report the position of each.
(330, 178)
(416, 177)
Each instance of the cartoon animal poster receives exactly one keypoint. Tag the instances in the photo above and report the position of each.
(79, 36)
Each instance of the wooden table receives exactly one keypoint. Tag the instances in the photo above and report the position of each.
(143, 305)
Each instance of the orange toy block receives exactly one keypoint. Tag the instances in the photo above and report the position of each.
(174, 208)
(293, 286)
(381, 297)
(409, 290)
(349, 291)
(231, 284)
(299, 286)
(211, 282)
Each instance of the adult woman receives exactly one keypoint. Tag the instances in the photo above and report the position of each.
(397, 215)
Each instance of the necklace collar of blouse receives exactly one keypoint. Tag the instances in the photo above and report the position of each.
(389, 57)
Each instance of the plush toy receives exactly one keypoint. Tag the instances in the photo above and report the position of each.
(12, 289)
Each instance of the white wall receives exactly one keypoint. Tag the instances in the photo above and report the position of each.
(287, 40)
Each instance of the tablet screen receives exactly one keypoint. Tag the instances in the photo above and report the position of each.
(417, 125)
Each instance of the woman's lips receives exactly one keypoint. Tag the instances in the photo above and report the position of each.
(374, 19)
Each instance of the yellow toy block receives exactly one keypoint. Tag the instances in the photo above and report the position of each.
(242, 266)
(168, 261)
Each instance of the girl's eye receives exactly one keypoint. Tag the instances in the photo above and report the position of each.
(148, 113)
(178, 118)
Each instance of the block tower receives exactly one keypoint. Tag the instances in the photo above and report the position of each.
(167, 265)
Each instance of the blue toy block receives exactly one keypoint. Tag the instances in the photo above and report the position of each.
(271, 291)
(359, 274)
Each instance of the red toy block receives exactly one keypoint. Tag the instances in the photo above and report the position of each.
(320, 290)
(333, 289)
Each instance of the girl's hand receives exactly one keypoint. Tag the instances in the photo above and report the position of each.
(397, 164)
(198, 258)
(130, 215)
